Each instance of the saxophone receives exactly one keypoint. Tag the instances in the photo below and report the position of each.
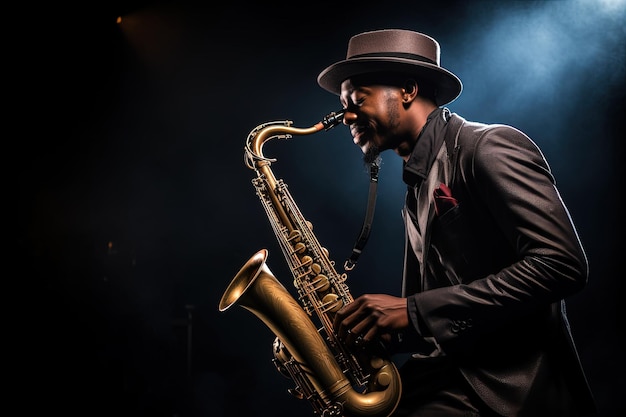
(337, 380)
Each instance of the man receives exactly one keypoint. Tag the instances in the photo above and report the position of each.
(491, 251)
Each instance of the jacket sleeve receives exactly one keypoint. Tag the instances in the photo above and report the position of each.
(508, 175)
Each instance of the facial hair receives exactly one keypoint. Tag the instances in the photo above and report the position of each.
(372, 155)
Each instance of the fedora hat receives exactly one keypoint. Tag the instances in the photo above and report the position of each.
(394, 50)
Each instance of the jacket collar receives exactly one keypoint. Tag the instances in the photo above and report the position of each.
(428, 143)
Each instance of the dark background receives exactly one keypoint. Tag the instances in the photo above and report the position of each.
(135, 209)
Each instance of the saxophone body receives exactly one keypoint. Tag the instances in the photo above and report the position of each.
(336, 380)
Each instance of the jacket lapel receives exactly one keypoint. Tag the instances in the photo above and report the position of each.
(418, 235)
(439, 173)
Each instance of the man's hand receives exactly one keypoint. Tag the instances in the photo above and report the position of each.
(371, 317)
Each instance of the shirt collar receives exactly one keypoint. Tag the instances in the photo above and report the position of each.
(426, 148)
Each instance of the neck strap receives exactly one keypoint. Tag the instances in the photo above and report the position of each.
(350, 263)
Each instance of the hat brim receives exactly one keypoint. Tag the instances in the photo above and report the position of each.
(448, 85)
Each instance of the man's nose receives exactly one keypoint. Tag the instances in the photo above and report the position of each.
(349, 118)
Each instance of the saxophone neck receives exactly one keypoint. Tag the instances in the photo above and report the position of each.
(283, 130)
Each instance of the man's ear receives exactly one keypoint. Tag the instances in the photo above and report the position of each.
(410, 86)
(409, 91)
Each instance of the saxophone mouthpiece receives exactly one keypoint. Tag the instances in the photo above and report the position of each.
(333, 119)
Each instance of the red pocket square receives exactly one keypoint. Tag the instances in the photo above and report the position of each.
(443, 199)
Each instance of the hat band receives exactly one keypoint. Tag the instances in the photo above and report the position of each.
(405, 55)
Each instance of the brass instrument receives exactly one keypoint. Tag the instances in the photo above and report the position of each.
(338, 381)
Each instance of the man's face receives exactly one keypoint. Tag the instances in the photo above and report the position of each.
(372, 114)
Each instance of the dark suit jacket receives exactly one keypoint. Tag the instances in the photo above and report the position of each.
(488, 277)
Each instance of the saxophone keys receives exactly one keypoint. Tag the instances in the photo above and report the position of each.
(332, 302)
(305, 261)
(281, 357)
(321, 282)
(376, 362)
(316, 269)
(296, 392)
(383, 379)
(295, 235)
(299, 247)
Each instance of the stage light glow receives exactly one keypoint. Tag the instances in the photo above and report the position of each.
(610, 6)
(154, 33)
(543, 55)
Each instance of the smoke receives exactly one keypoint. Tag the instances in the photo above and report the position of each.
(548, 54)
